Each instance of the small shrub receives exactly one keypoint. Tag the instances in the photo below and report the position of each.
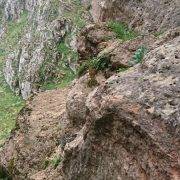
(82, 69)
(96, 64)
(121, 30)
(56, 161)
(138, 56)
(99, 63)
(93, 66)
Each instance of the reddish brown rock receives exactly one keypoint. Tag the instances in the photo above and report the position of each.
(145, 15)
(90, 41)
(132, 123)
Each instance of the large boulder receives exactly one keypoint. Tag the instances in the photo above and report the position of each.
(132, 123)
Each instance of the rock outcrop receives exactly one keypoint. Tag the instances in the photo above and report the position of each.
(146, 16)
(47, 25)
(124, 127)
(32, 146)
(132, 123)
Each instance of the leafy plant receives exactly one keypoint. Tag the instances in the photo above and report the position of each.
(55, 161)
(121, 30)
(139, 55)
(82, 69)
(93, 66)
(97, 64)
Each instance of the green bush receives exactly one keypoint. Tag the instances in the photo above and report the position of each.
(97, 64)
(82, 69)
(121, 30)
(138, 56)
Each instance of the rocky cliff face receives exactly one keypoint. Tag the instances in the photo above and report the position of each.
(46, 26)
(120, 118)
(35, 56)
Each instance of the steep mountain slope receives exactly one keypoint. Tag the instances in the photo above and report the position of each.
(120, 118)
(34, 52)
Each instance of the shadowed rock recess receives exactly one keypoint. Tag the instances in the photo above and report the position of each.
(119, 119)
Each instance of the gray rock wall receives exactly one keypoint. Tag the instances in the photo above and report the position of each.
(45, 28)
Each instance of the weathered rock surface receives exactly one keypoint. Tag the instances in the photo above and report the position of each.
(125, 128)
(91, 40)
(34, 144)
(132, 125)
(146, 15)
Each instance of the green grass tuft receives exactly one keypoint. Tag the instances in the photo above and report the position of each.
(10, 105)
(121, 30)
(138, 56)
(97, 64)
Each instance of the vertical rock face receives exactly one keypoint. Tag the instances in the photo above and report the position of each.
(13, 9)
(146, 15)
(43, 30)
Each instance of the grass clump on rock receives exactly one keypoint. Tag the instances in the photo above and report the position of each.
(121, 30)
